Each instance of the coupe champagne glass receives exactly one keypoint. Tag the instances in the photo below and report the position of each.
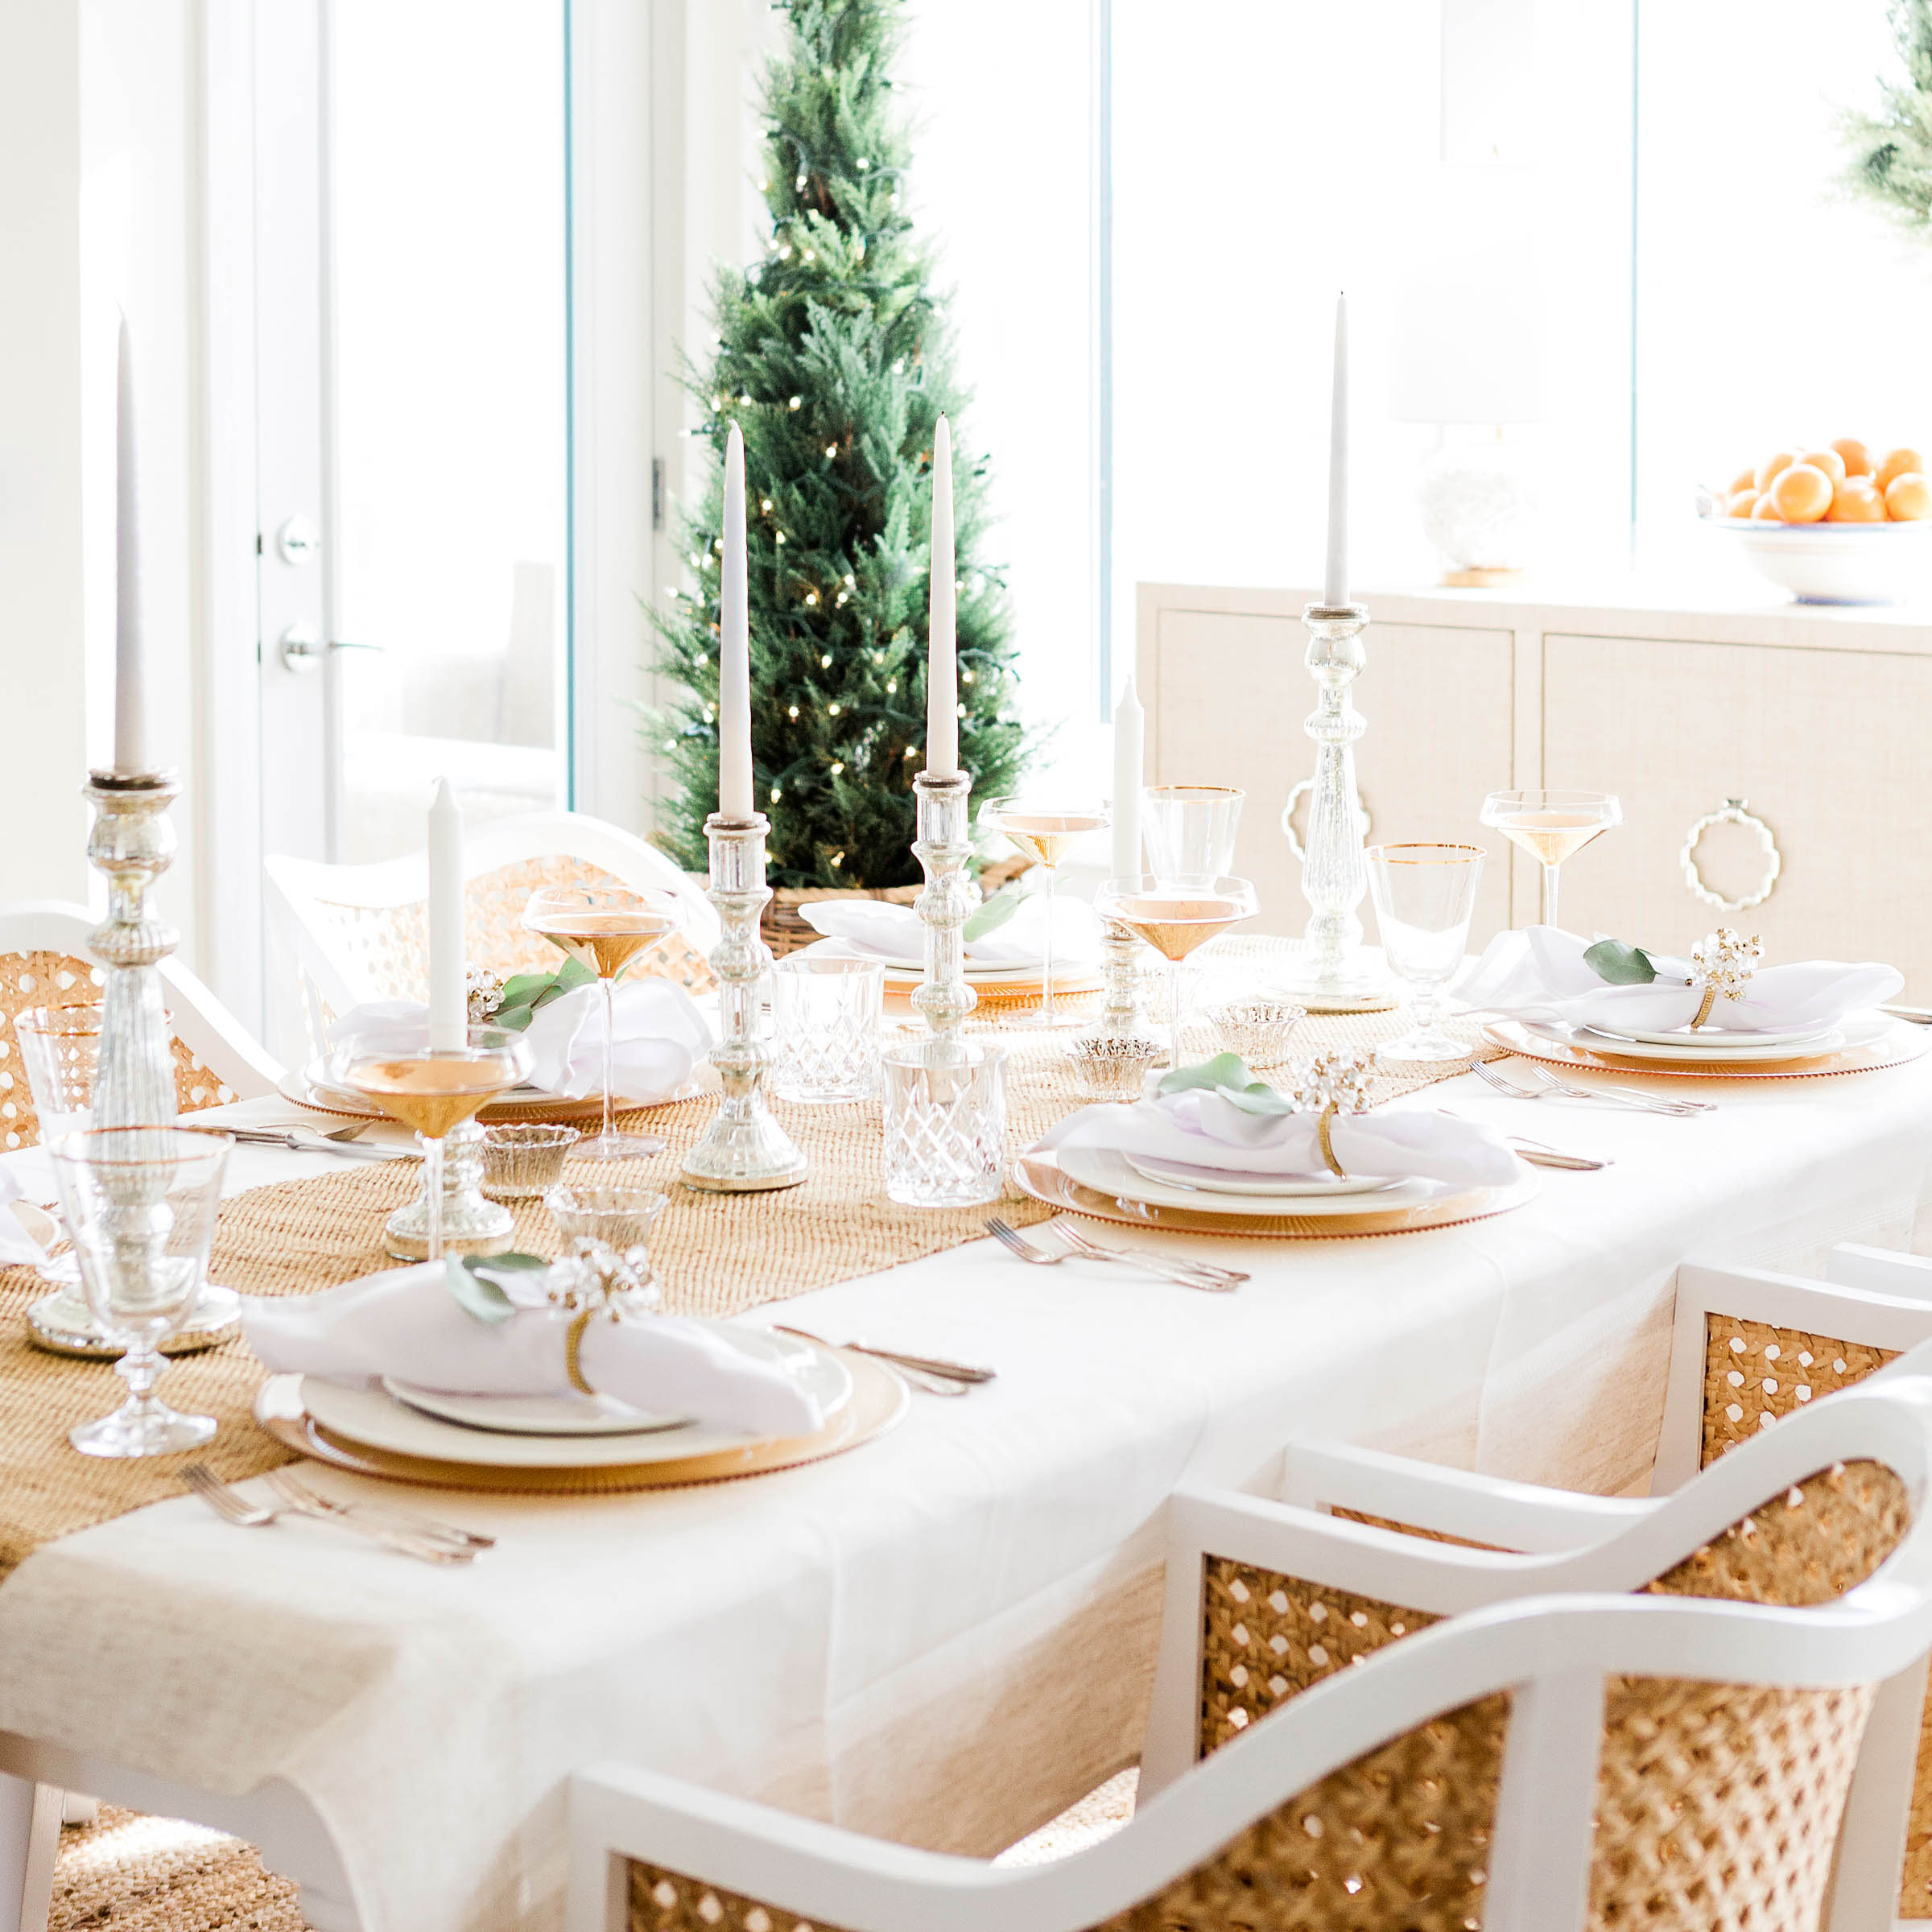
(1046, 828)
(605, 927)
(140, 1203)
(429, 1087)
(1424, 895)
(1550, 825)
(1175, 917)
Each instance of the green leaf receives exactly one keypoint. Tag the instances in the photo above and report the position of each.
(520, 989)
(1260, 1098)
(514, 1018)
(476, 1294)
(1619, 963)
(992, 915)
(572, 974)
(1224, 1070)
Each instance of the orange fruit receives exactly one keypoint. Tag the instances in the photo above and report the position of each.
(1771, 465)
(1764, 510)
(1743, 502)
(1856, 501)
(1802, 492)
(1909, 498)
(1829, 460)
(1745, 479)
(1857, 458)
(1897, 463)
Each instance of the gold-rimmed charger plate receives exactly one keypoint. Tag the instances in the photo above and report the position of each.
(1904, 1043)
(1041, 1175)
(538, 1108)
(879, 1399)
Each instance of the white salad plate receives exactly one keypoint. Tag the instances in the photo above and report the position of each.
(1106, 1171)
(1718, 1036)
(1856, 1032)
(1230, 1180)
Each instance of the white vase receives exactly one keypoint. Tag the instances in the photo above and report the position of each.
(1478, 503)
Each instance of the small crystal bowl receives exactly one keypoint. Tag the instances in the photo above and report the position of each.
(1106, 1069)
(1258, 1030)
(520, 1162)
(619, 1217)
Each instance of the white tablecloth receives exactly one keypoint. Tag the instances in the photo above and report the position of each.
(948, 1634)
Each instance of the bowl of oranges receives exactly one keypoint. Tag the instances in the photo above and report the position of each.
(1833, 523)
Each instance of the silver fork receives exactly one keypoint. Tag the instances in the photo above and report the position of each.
(1220, 1277)
(1548, 1086)
(299, 1496)
(203, 1482)
(1186, 1274)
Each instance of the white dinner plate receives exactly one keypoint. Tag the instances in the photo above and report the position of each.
(899, 966)
(378, 1420)
(1862, 1029)
(1228, 1180)
(1107, 1172)
(532, 1414)
(1718, 1036)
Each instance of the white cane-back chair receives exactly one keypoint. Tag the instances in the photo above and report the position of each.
(44, 961)
(357, 933)
(1662, 1730)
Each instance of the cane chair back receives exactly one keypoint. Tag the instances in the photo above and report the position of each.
(44, 962)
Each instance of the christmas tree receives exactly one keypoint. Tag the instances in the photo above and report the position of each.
(833, 357)
(1891, 164)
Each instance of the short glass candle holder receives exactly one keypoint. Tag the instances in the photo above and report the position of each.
(618, 1219)
(1106, 1069)
(522, 1163)
(945, 1119)
(826, 1015)
(1260, 1029)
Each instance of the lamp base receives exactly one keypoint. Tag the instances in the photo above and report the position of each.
(1484, 577)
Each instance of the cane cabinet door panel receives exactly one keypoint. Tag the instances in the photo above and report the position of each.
(1828, 747)
(1226, 696)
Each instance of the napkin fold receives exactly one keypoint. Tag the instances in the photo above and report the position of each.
(18, 1247)
(660, 1033)
(884, 930)
(1205, 1129)
(1540, 973)
(405, 1322)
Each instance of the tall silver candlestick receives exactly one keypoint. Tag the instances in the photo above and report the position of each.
(1331, 974)
(746, 1149)
(942, 847)
(133, 844)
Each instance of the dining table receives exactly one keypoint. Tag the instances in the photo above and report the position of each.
(946, 1635)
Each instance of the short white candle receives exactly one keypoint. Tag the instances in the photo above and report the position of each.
(1129, 741)
(1334, 584)
(942, 661)
(130, 722)
(734, 645)
(449, 1003)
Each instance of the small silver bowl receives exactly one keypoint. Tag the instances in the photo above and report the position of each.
(1259, 1029)
(1112, 1069)
(519, 1163)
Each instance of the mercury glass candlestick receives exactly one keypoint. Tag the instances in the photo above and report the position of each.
(940, 844)
(1330, 973)
(1119, 1019)
(133, 844)
(746, 1150)
(472, 1224)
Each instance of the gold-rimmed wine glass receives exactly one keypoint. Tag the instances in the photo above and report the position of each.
(605, 927)
(1045, 828)
(1551, 826)
(1175, 917)
(399, 1067)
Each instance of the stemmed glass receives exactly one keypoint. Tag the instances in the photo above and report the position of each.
(1190, 829)
(1046, 828)
(432, 1088)
(60, 1049)
(1424, 896)
(605, 927)
(1550, 825)
(1174, 917)
(140, 1203)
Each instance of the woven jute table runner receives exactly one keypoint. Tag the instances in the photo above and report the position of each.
(713, 1253)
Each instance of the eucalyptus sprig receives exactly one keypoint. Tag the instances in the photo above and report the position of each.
(474, 1282)
(1226, 1074)
(994, 914)
(1620, 964)
(527, 994)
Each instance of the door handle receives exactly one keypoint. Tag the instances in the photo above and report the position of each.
(301, 649)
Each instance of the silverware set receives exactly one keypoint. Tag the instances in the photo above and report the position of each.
(410, 1535)
(932, 1372)
(1548, 1087)
(305, 1140)
(1076, 1246)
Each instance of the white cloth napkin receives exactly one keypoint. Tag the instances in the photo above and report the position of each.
(1541, 974)
(660, 1033)
(877, 927)
(18, 1247)
(1204, 1128)
(405, 1322)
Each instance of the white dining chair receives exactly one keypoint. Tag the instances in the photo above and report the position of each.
(358, 933)
(1664, 1730)
(44, 961)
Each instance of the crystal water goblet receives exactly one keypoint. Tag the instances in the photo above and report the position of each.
(1175, 916)
(141, 1203)
(401, 1068)
(1190, 829)
(60, 1049)
(1045, 828)
(1424, 897)
(1551, 826)
(605, 927)
(826, 1015)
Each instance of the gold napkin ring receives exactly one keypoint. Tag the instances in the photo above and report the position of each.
(1704, 1007)
(573, 1340)
(1327, 1145)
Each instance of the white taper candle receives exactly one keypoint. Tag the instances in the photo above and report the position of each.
(1129, 740)
(734, 645)
(130, 703)
(1335, 583)
(942, 662)
(448, 1003)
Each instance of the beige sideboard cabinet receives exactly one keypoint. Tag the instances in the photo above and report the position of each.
(1774, 759)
